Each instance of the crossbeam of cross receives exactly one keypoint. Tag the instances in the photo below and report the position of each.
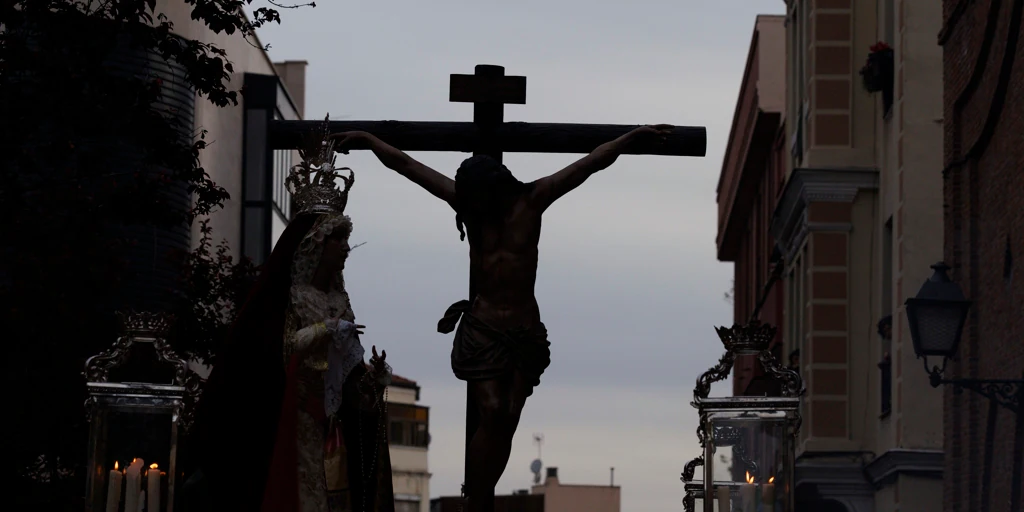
(489, 90)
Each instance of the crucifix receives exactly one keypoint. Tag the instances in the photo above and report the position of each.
(488, 137)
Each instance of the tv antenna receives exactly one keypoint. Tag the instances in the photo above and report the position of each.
(536, 466)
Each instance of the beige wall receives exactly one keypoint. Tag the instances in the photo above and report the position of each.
(410, 475)
(573, 498)
(397, 395)
(222, 157)
(846, 130)
(916, 203)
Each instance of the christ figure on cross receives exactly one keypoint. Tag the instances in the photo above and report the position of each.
(501, 346)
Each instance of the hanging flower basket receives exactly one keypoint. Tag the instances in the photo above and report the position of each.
(877, 72)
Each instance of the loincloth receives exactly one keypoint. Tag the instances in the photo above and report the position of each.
(482, 352)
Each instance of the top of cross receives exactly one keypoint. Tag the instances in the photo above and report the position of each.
(488, 84)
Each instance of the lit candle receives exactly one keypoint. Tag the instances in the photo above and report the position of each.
(114, 482)
(768, 496)
(723, 499)
(133, 485)
(748, 495)
(153, 488)
(142, 501)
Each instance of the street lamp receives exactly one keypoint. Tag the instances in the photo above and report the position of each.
(760, 430)
(936, 317)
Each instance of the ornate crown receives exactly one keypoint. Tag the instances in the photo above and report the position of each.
(750, 338)
(313, 182)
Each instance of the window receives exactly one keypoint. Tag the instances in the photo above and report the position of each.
(885, 365)
(408, 425)
(798, 47)
(887, 256)
(885, 324)
(281, 166)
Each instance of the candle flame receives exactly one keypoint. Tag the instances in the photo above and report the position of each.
(771, 479)
(115, 465)
(133, 460)
(153, 466)
(750, 479)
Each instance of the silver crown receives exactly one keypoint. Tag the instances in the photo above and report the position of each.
(313, 182)
(751, 338)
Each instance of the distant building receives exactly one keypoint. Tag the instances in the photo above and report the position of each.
(409, 437)
(749, 187)
(983, 177)
(551, 496)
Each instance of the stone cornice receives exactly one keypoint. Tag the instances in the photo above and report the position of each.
(834, 478)
(892, 463)
(805, 186)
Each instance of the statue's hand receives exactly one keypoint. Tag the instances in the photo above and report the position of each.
(660, 130)
(345, 141)
(334, 323)
(378, 360)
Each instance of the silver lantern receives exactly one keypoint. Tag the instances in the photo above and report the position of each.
(760, 431)
(134, 426)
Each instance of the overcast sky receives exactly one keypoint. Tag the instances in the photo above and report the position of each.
(628, 285)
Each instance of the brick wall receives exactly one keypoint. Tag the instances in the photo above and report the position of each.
(984, 233)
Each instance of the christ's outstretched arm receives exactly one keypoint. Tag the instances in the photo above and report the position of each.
(549, 188)
(432, 181)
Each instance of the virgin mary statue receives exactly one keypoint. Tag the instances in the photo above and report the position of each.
(291, 418)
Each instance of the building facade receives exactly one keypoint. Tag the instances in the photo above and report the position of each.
(409, 438)
(855, 218)
(983, 174)
(860, 217)
(753, 170)
(549, 496)
(237, 155)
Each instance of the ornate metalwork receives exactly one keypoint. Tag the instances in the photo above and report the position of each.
(319, 193)
(792, 383)
(1005, 392)
(715, 374)
(150, 327)
(739, 454)
(748, 339)
(694, 491)
(193, 393)
(90, 408)
(726, 435)
(691, 468)
(729, 417)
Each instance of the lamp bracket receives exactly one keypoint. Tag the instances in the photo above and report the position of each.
(1005, 392)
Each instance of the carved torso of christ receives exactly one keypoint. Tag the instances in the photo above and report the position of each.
(503, 262)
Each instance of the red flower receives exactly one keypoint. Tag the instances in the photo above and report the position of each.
(879, 46)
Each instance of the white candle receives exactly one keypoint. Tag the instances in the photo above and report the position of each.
(133, 485)
(723, 499)
(142, 501)
(114, 481)
(153, 488)
(748, 495)
(768, 496)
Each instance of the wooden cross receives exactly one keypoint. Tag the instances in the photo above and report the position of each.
(489, 90)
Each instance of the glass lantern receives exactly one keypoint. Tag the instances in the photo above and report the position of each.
(134, 426)
(759, 431)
